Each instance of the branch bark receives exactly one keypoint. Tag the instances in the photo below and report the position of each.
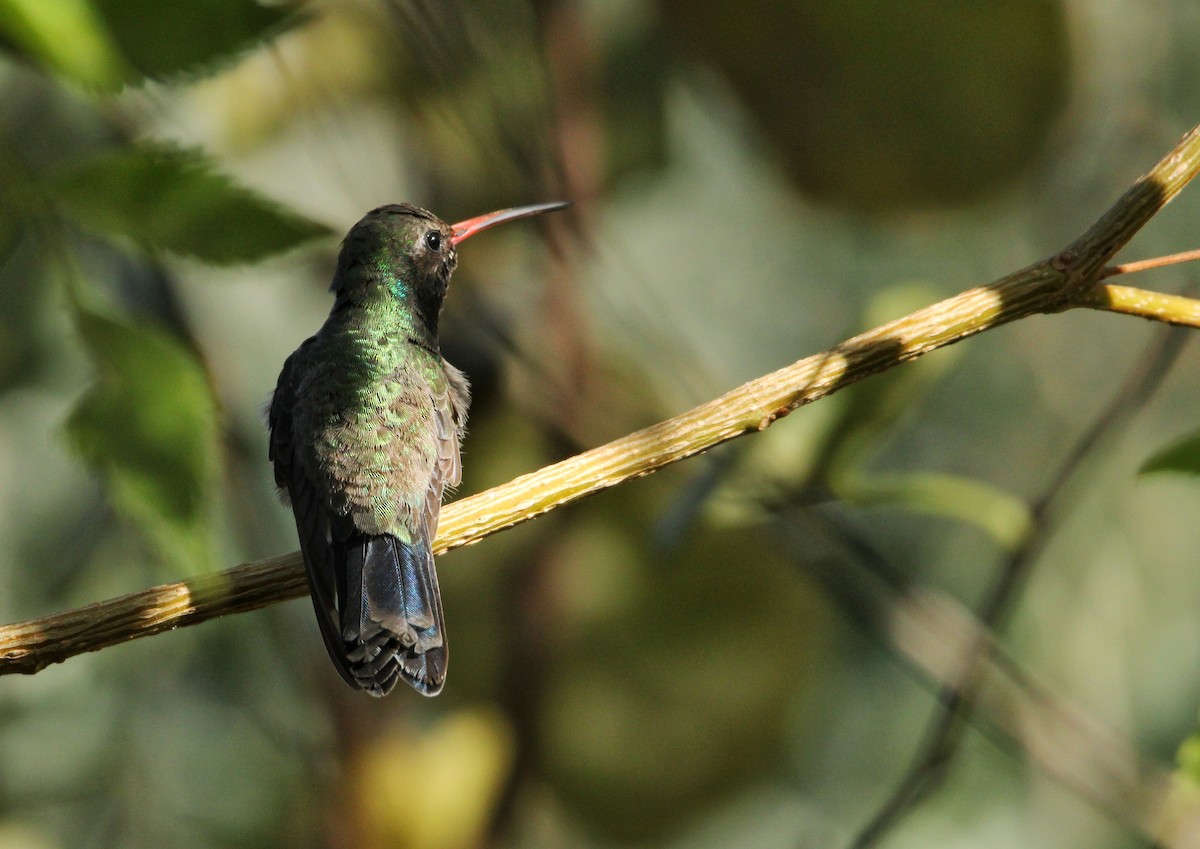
(1069, 279)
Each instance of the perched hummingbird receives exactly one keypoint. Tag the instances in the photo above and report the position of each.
(365, 424)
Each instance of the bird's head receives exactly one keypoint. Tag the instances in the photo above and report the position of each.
(404, 255)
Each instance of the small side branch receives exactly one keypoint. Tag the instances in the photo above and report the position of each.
(1156, 306)
(1148, 264)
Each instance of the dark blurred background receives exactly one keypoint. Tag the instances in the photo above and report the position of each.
(690, 660)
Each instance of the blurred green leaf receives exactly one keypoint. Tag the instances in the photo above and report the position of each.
(25, 289)
(883, 106)
(1002, 516)
(870, 414)
(174, 199)
(634, 82)
(1182, 456)
(1184, 790)
(149, 427)
(66, 36)
(160, 39)
(1188, 757)
(719, 651)
(871, 411)
(104, 44)
(877, 407)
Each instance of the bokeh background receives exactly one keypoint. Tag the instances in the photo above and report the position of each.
(688, 660)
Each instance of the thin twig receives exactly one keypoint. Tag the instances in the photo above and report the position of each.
(939, 639)
(1148, 264)
(1172, 309)
(1066, 743)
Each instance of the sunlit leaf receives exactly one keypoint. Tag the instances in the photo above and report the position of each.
(1182, 456)
(872, 409)
(464, 760)
(1002, 516)
(1188, 757)
(104, 44)
(65, 36)
(173, 199)
(1183, 793)
(149, 428)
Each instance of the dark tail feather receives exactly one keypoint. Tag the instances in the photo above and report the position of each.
(391, 614)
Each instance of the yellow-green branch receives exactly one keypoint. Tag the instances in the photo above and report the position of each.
(1069, 279)
(1158, 306)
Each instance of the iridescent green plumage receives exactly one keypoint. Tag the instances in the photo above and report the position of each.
(365, 424)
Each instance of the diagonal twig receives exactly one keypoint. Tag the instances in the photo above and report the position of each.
(940, 640)
(956, 699)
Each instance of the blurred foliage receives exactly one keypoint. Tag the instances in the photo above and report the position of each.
(108, 43)
(888, 105)
(174, 200)
(149, 426)
(690, 660)
(1181, 456)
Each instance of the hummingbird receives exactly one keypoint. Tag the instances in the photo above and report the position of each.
(365, 425)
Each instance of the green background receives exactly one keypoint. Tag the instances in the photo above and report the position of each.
(689, 660)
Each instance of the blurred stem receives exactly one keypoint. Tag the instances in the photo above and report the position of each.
(945, 643)
(528, 606)
(959, 692)
(1064, 281)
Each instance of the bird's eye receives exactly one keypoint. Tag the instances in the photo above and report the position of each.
(433, 240)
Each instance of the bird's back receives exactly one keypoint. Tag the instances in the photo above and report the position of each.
(375, 426)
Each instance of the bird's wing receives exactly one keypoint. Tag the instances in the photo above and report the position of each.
(450, 422)
(313, 522)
